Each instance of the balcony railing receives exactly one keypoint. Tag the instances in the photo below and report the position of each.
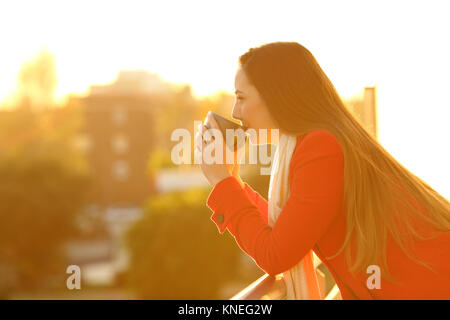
(270, 287)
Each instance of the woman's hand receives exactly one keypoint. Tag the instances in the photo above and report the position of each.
(215, 172)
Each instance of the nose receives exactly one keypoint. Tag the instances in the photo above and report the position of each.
(235, 113)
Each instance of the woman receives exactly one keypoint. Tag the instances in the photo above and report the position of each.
(348, 199)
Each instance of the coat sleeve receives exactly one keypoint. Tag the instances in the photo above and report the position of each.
(315, 201)
(259, 201)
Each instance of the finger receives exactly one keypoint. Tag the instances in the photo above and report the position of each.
(198, 141)
(197, 156)
(205, 128)
(212, 120)
(206, 124)
(207, 135)
(202, 127)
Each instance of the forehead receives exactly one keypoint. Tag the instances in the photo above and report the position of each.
(240, 80)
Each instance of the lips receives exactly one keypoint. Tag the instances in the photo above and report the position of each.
(244, 125)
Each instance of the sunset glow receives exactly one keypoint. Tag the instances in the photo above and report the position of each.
(397, 46)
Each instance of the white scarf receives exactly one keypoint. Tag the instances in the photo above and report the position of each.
(301, 279)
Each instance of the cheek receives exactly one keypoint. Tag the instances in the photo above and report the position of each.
(246, 110)
(263, 111)
(252, 112)
(262, 118)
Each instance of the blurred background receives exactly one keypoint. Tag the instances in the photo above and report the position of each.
(90, 93)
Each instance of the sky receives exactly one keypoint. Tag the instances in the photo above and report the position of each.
(399, 46)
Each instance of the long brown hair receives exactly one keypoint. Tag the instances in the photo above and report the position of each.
(301, 98)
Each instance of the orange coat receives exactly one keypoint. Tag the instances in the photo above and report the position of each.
(313, 218)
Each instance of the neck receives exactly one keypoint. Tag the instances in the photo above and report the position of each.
(276, 140)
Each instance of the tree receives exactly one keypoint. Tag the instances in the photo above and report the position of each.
(43, 183)
(39, 202)
(176, 251)
(37, 82)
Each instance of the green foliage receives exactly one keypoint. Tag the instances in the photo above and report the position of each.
(37, 81)
(39, 202)
(176, 250)
(43, 185)
(159, 159)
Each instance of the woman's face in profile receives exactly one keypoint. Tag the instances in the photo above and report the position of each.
(251, 110)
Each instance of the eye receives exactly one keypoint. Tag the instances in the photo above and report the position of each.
(239, 98)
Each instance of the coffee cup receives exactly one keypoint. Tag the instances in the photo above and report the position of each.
(224, 124)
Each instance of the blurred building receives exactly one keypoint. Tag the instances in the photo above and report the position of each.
(174, 179)
(118, 134)
(133, 82)
(118, 139)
